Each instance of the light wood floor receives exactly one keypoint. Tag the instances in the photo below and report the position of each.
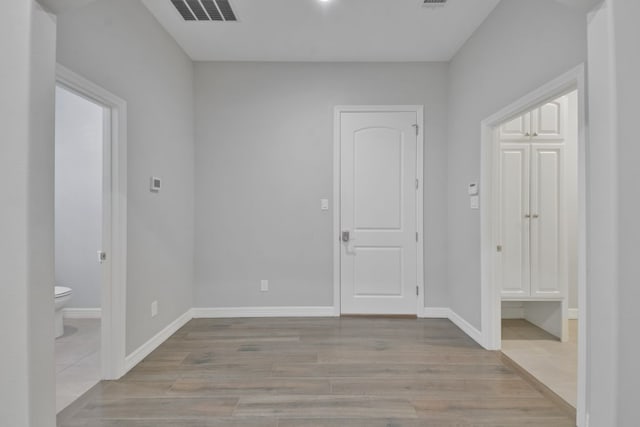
(349, 372)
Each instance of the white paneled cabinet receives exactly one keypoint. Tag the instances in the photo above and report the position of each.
(546, 123)
(532, 252)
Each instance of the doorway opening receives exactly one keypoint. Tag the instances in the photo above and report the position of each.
(81, 142)
(378, 174)
(536, 196)
(533, 235)
(90, 234)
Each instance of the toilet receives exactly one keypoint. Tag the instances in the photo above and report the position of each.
(62, 296)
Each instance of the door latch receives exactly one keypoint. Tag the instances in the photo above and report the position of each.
(102, 256)
(346, 236)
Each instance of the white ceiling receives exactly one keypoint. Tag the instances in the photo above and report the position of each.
(339, 30)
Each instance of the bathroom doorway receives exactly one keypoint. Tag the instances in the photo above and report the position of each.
(81, 129)
(90, 226)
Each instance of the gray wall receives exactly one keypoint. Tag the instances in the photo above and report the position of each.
(522, 45)
(27, 43)
(264, 159)
(118, 45)
(78, 197)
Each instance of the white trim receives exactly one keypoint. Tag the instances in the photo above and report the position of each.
(115, 244)
(436, 313)
(234, 312)
(447, 313)
(490, 297)
(466, 327)
(82, 313)
(572, 314)
(145, 349)
(419, 110)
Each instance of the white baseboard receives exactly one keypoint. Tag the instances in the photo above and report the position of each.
(436, 312)
(466, 327)
(145, 349)
(573, 314)
(82, 313)
(447, 313)
(231, 312)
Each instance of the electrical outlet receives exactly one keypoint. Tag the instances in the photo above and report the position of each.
(264, 285)
(154, 309)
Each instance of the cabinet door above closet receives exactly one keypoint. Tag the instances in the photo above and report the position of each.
(549, 122)
(546, 123)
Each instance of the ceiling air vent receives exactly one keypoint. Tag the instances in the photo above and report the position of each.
(205, 10)
(433, 3)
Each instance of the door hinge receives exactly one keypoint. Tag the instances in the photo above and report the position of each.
(417, 129)
(416, 236)
(417, 183)
(417, 291)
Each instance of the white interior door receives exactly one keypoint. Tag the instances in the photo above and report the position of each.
(547, 239)
(514, 272)
(378, 261)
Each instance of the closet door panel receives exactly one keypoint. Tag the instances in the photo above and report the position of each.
(514, 273)
(547, 232)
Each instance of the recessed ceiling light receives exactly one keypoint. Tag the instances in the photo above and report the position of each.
(324, 1)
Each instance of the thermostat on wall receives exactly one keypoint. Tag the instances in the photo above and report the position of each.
(156, 183)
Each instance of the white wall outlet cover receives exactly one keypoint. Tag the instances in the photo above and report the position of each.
(155, 184)
(154, 308)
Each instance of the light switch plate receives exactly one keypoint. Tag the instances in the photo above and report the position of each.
(475, 202)
(324, 204)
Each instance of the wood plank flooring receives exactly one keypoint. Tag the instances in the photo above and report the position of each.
(347, 372)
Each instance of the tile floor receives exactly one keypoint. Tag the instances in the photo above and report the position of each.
(77, 360)
(552, 362)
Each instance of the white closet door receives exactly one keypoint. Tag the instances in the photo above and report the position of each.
(547, 233)
(514, 224)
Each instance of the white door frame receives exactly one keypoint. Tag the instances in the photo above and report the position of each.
(113, 287)
(491, 307)
(338, 110)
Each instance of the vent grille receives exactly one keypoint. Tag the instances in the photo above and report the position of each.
(205, 10)
(433, 3)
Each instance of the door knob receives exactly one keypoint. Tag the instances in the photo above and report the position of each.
(346, 236)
